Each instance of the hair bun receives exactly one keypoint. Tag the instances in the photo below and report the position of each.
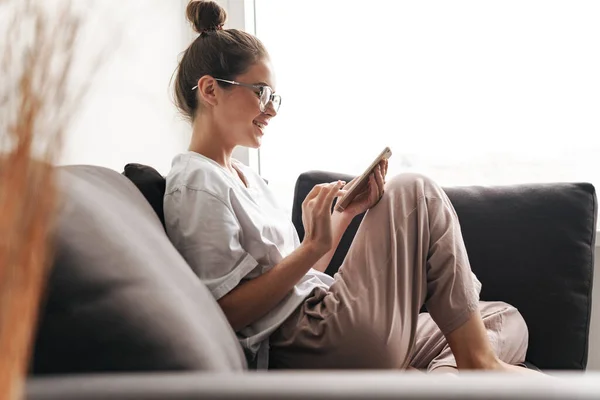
(205, 15)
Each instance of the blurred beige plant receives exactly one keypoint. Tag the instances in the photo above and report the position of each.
(37, 54)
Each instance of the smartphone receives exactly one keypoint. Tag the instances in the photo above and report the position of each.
(359, 184)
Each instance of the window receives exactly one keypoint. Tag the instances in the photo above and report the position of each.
(467, 92)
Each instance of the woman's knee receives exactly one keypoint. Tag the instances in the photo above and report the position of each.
(513, 332)
(410, 182)
(411, 187)
(517, 329)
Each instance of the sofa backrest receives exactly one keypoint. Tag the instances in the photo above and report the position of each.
(120, 297)
(530, 245)
(533, 246)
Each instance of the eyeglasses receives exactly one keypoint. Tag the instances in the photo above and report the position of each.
(265, 94)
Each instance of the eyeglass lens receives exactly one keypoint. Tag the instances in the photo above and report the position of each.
(265, 98)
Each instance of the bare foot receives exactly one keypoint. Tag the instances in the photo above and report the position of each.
(496, 365)
(501, 366)
(444, 370)
(519, 369)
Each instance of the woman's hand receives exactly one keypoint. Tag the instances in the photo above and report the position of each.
(372, 192)
(316, 216)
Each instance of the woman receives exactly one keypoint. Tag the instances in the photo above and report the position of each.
(287, 313)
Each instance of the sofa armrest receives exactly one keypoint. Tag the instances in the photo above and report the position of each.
(325, 385)
(531, 246)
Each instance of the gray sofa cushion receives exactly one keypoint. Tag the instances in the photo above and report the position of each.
(120, 297)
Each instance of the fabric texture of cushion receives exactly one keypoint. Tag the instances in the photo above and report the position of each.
(151, 183)
(530, 245)
(120, 297)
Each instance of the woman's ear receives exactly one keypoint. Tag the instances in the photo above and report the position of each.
(207, 90)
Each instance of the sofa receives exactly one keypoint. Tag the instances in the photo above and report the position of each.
(123, 316)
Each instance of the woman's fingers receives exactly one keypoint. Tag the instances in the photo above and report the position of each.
(373, 192)
(327, 194)
(380, 180)
(333, 193)
(330, 194)
(317, 189)
(314, 192)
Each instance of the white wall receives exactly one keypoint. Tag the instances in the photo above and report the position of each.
(128, 114)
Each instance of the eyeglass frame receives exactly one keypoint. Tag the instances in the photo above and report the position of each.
(262, 107)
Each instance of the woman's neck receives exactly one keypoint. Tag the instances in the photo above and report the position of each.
(209, 143)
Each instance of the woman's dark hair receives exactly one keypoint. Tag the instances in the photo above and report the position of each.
(216, 52)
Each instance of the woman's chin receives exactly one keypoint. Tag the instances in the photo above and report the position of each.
(252, 140)
(256, 142)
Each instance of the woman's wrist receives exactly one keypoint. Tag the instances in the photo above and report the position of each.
(344, 217)
(312, 250)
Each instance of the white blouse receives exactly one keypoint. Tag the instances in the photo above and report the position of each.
(228, 232)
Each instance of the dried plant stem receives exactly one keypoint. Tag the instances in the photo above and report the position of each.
(35, 107)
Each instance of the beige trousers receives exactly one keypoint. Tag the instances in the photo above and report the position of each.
(408, 251)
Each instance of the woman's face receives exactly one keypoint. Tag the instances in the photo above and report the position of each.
(238, 111)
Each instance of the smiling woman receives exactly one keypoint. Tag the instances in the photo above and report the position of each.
(238, 89)
(227, 224)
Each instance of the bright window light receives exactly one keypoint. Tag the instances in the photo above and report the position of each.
(467, 92)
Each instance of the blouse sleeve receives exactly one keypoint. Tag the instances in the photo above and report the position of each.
(206, 232)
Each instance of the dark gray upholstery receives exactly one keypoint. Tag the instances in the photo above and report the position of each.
(531, 246)
(120, 297)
